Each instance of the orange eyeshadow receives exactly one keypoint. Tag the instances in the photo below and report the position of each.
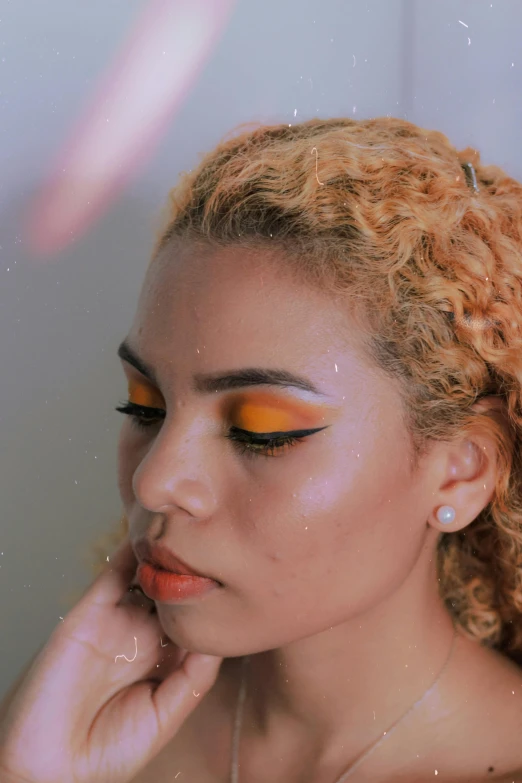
(264, 412)
(260, 419)
(141, 394)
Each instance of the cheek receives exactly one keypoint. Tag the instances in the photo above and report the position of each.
(338, 516)
(128, 461)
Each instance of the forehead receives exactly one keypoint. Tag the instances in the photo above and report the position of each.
(234, 307)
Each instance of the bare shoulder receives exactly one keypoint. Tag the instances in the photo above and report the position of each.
(500, 706)
(483, 729)
(470, 731)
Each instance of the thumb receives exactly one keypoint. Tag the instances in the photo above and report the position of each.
(181, 692)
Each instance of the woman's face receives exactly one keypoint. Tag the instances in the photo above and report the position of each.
(301, 538)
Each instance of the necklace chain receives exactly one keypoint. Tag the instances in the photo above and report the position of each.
(354, 765)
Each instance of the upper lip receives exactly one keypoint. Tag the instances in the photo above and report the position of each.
(161, 557)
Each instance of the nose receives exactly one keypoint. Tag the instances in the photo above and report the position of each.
(176, 473)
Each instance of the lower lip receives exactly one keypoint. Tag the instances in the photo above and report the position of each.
(165, 586)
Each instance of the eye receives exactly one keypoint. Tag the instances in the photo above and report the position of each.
(264, 444)
(142, 415)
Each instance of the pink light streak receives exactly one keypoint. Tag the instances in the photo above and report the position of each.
(126, 118)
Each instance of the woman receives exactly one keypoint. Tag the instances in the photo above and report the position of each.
(323, 441)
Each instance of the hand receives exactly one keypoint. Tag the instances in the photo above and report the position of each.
(105, 694)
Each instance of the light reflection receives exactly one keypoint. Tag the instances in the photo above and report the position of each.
(126, 118)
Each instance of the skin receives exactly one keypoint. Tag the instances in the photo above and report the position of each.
(325, 551)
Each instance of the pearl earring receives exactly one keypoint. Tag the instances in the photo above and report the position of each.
(446, 514)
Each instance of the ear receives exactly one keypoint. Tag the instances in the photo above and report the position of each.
(469, 467)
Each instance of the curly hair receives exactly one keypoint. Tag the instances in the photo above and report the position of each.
(427, 249)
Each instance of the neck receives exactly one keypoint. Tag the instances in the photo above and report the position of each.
(339, 689)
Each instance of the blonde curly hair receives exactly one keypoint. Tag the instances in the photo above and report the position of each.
(428, 250)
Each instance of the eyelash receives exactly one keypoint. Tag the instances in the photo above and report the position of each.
(143, 416)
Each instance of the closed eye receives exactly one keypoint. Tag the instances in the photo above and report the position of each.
(142, 415)
(250, 443)
(266, 443)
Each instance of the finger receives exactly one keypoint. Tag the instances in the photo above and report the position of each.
(110, 586)
(180, 693)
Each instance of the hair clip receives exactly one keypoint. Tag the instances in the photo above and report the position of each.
(471, 177)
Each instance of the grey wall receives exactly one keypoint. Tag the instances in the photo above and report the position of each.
(61, 319)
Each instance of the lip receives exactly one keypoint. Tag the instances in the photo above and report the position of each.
(167, 586)
(165, 577)
(162, 558)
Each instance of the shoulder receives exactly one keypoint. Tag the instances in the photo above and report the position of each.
(482, 726)
(469, 731)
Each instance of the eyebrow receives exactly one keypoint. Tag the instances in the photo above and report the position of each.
(232, 379)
